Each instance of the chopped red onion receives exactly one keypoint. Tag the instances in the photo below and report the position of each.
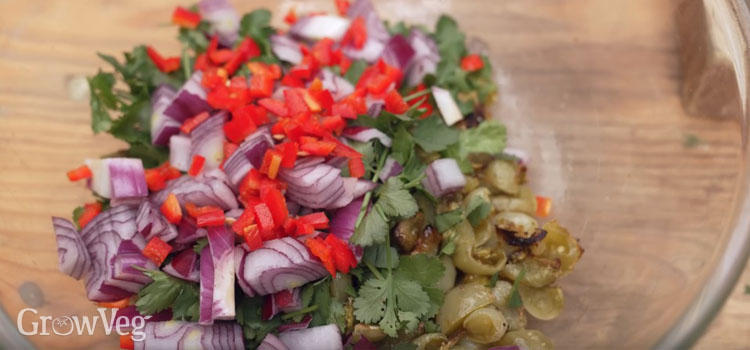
(162, 126)
(184, 266)
(375, 28)
(316, 186)
(182, 335)
(365, 134)
(164, 92)
(72, 256)
(221, 243)
(447, 105)
(239, 268)
(390, 168)
(188, 232)
(206, 297)
(179, 152)
(286, 49)
(248, 155)
(224, 20)
(398, 52)
(288, 300)
(127, 180)
(320, 26)
(270, 342)
(316, 338)
(343, 220)
(370, 52)
(151, 223)
(426, 57)
(279, 265)
(375, 108)
(122, 264)
(188, 101)
(338, 86)
(100, 182)
(207, 140)
(201, 191)
(443, 176)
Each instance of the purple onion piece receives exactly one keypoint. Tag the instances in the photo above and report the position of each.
(316, 338)
(443, 176)
(343, 220)
(206, 298)
(189, 101)
(224, 20)
(151, 223)
(191, 335)
(376, 30)
(72, 257)
(201, 191)
(248, 155)
(390, 168)
(365, 134)
(398, 52)
(127, 179)
(207, 140)
(286, 49)
(271, 342)
(221, 243)
(179, 152)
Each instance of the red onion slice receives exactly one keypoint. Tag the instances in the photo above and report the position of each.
(122, 264)
(221, 242)
(184, 266)
(72, 257)
(224, 20)
(316, 186)
(239, 267)
(206, 297)
(100, 182)
(127, 180)
(190, 335)
(207, 140)
(201, 191)
(151, 223)
(343, 220)
(365, 134)
(317, 338)
(189, 100)
(390, 169)
(162, 127)
(370, 52)
(336, 85)
(286, 49)
(248, 155)
(270, 342)
(444, 176)
(398, 52)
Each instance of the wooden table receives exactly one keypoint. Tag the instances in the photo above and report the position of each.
(46, 47)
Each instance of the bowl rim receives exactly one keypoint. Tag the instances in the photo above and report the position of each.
(694, 322)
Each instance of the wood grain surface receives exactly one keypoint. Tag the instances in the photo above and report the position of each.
(588, 87)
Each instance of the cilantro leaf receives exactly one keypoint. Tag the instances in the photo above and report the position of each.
(77, 212)
(195, 39)
(102, 99)
(373, 228)
(369, 306)
(355, 71)
(394, 202)
(433, 135)
(450, 39)
(199, 245)
(477, 210)
(489, 137)
(447, 220)
(403, 145)
(186, 305)
(423, 268)
(376, 255)
(398, 28)
(257, 25)
(164, 292)
(248, 315)
(515, 299)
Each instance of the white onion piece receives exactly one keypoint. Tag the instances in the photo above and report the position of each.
(443, 176)
(316, 338)
(270, 342)
(100, 176)
(72, 257)
(447, 105)
(179, 152)
(365, 134)
(320, 27)
(286, 49)
(426, 57)
(278, 265)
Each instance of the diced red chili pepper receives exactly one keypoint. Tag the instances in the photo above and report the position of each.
(126, 342)
(82, 172)
(343, 150)
(241, 125)
(197, 165)
(342, 6)
(222, 98)
(171, 209)
(392, 72)
(261, 86)
(357, 102)
(356, 35)
(191, 123)
(344, 109)
(196, 211)
(324, 98)
(260, 68)
(201, 62)
(291, 81)
(289, 150)
(472, 63)
(318, 148)
(251, 183)
(543, 206)
(295, 103)
(302, 73)
(154, 180)
(212, 218)
(274, 106)
(245, 51)
(304, 229)
(289, 226)
(369, 73)
(229, 149)
(356, 167)
(323, 252)
(311, 102)
(341, 253)
(263, 217)
(318, 220)
(322, 51)
(276, 204)
(247, 218)
(117, 304)
(252, 237)
(156, 250)
(214, 77)
(344, 64)
(334, 124)
(185, 18)
(379, 84)
(258, 114)
(166, 65)
(168, 172)
(291, 16)
(293, 130)
(394, 103)
(220, 56)
(90, 211)
(271, 163)
(213, 44)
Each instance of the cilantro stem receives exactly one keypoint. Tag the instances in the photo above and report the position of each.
(415, 182)
(368, 195)
(417, 94)
(374, 270)
(388, 253)
(292, 315)
(186, 68)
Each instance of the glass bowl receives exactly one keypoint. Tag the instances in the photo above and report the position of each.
(589, 88)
